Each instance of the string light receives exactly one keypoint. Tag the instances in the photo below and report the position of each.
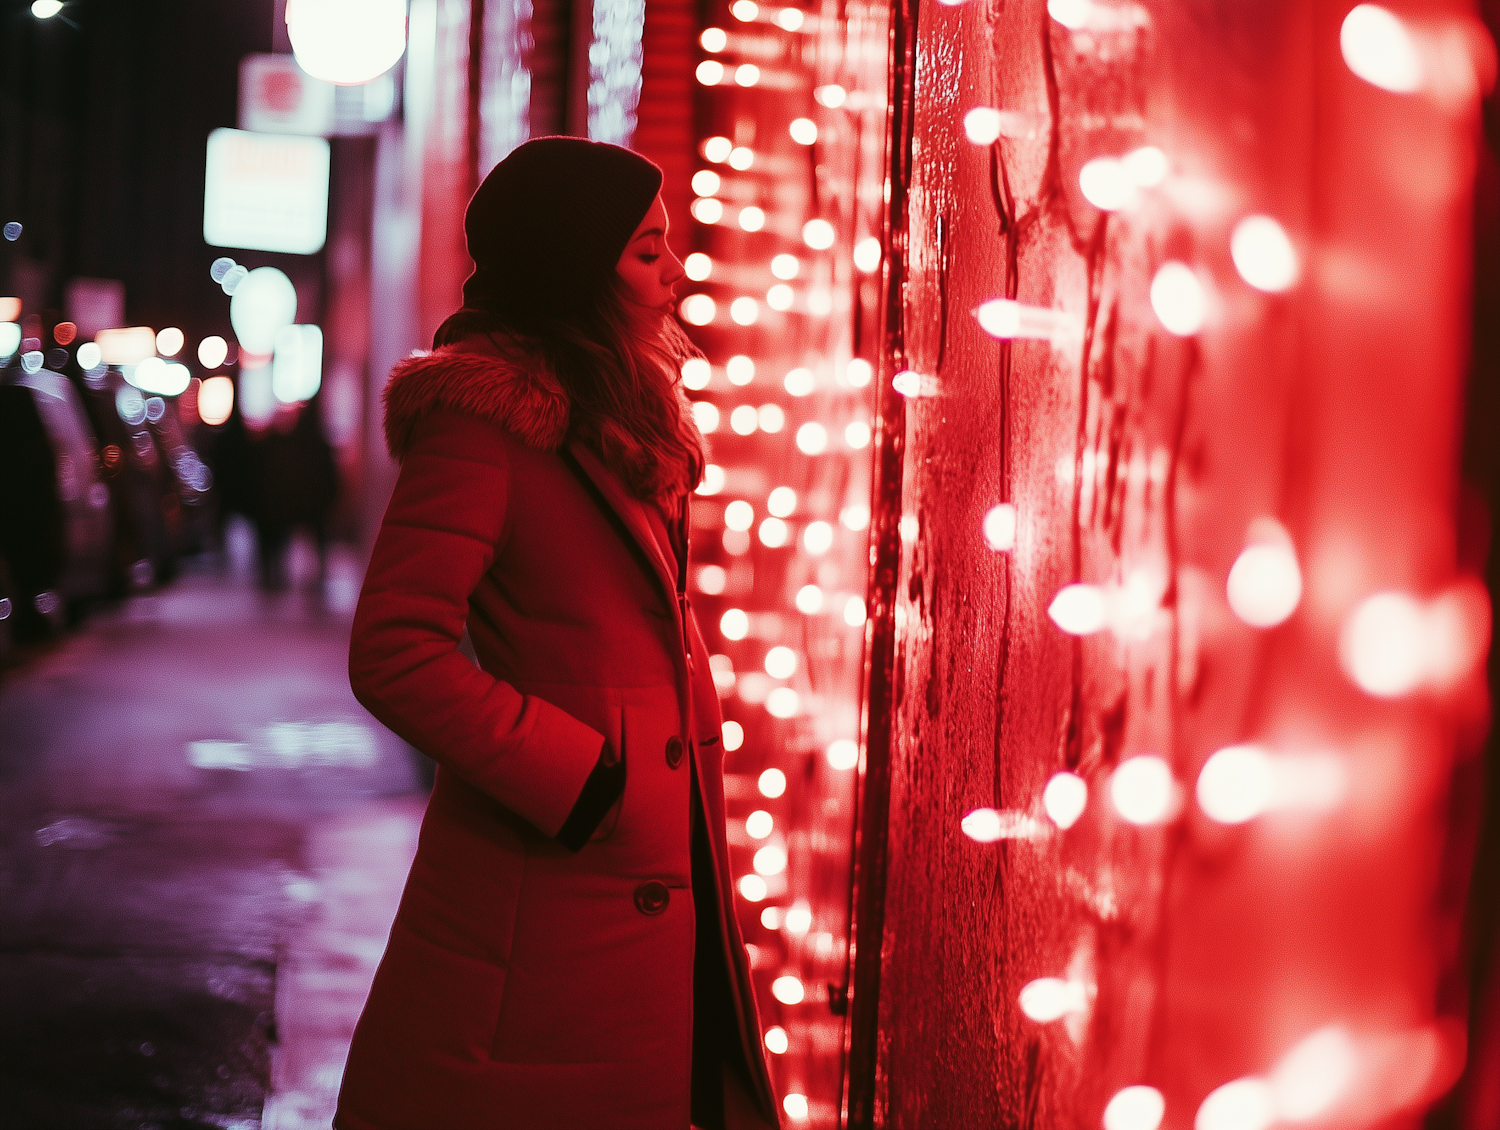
(1051, 998)
(982, 825)
(1000, 527)
(743, 421)
(786, 266)
(1382, 645)
(707, 210)
(1134, 1108)
(744, 10)
(706, 416)
(1106, 184)
(734, 624)
(1065, 798)
(804, 131)
(818, 234)
(771, 418)
(1236, 784)
(698, 309)
(1377, 47)
(817, 538)
(717, 149)
(740, 370)
(712, 579)
(809, 600)
(842, 754)
(782, 502)
(753, 888)
(854, 612)
(812, 438)
(741, 158)
(773, 533)
(1263, 254)
(1072, 14)
(770, 860)
(910, 383)
(744, 311)
(857, 435)
(1143, 790)
(982, 125)
(800, 382)
(696, 373)
(1245, 1104)
(795, 1103)
(706, 183)
(710, 72)
(867, 255)
(752, 218)
(1080, 609)
(790, 19)
(799, 918)
(1147, 166)
(746, 74)
(1265, 583)
(775, 1037)
(832, 96)
(772, 783)
(859, 372)
(713, 479)
(780, 297)
(713, 39)
(734, 736)
(783, 702)
(1005, 318)
(1314, 1074)
(1178, 299)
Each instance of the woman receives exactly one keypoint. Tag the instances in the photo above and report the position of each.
(566, 954)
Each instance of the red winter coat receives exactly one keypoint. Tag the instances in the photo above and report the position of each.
(525, 985)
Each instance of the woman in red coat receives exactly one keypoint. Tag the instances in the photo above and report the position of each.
(566, 955)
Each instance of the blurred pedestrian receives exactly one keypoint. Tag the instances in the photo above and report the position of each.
(566, 954)
(292, 485)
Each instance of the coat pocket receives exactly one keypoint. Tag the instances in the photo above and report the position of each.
(616, 738)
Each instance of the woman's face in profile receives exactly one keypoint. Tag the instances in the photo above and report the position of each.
(649, 268)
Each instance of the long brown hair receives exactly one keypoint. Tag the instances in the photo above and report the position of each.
(621, 365)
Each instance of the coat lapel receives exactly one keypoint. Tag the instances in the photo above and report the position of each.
(631, 511)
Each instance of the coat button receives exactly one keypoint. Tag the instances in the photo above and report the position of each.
(674, 751)
(652, 897)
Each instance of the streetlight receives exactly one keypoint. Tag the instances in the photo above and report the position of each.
(347, 42)
(46, 9)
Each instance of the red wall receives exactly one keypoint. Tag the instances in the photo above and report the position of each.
(1202, 952)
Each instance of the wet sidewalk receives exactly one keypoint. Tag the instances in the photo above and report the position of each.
(202, 840)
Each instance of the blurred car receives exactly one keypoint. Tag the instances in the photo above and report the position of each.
(56, 529)
(159, 488)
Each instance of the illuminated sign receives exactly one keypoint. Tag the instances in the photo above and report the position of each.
(278, 96)
(266, 192)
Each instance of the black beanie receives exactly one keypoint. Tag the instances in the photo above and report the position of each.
(548, 224)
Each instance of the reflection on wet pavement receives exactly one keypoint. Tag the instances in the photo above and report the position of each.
(204, 837)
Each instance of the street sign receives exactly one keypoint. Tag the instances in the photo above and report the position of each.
(266, 192)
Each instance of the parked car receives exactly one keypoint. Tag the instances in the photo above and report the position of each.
(56, 529)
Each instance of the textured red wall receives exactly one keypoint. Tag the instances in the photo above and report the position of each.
(1199, 952)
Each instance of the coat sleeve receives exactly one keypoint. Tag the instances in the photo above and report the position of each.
(439, 537)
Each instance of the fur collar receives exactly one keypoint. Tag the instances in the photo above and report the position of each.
(516, 392)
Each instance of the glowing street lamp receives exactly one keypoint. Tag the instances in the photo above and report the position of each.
(346, 42)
